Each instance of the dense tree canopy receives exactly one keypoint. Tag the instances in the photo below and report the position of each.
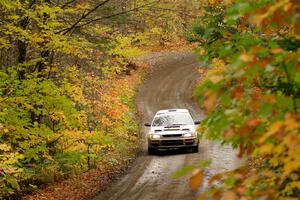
(251, 93)
(62, 64)
(68, 81)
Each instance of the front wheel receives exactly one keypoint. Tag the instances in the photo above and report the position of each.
(195, 149)
(151, 151)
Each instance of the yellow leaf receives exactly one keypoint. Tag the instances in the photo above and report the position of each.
(215, 78)
(5, 147)
(287, 6)
(201, 70)
(291, 125)
(291, 166)
(276, 126)
(266, 148)
(48, 157)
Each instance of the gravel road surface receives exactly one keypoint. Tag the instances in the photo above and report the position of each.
(170, 85)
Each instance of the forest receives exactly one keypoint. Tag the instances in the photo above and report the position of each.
(63, 62)
(69, 78)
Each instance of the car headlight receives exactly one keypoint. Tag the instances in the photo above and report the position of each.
(188, 135)
(155, 136)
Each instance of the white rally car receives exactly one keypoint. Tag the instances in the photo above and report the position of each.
(172, 128)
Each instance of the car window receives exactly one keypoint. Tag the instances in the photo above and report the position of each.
(177, 119)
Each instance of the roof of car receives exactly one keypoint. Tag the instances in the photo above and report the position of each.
(160, 112)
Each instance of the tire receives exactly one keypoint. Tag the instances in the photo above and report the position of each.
(195, 149)
(151, 151)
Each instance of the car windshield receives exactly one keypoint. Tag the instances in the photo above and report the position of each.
(177, 119)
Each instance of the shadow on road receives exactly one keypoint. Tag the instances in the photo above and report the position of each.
(170, 152)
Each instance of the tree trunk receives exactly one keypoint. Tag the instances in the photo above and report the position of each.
(22, 50)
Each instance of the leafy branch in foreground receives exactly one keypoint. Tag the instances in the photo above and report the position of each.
(251, 94)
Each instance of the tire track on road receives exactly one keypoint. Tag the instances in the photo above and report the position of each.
(170, 85)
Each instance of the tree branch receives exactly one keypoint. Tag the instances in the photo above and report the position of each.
(83, 16)
(67, 3)
(116, 14)
(290, 82)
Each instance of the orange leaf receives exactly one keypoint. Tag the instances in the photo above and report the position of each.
(258, 19)
(253, 122)
(241, 190)
(202, 197)
(238, 92)
(229, 134)
(229, 195)
(297, 28)
(216, 195)
(276, 51)
(197, 179)
(247, 57)
(214, 178)
(210, 103)
(278, 18)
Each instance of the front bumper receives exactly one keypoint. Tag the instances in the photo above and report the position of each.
(172, 143)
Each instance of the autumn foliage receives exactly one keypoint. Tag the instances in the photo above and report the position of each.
(68, 78)
(250, 94)
(61, 109)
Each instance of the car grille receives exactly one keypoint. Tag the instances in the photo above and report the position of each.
(172, 129)
(172, 135)
(171, 142)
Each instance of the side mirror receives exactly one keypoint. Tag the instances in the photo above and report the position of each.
(197, 122)
(147, 124)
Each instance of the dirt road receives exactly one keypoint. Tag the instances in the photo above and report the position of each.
(169, 86)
